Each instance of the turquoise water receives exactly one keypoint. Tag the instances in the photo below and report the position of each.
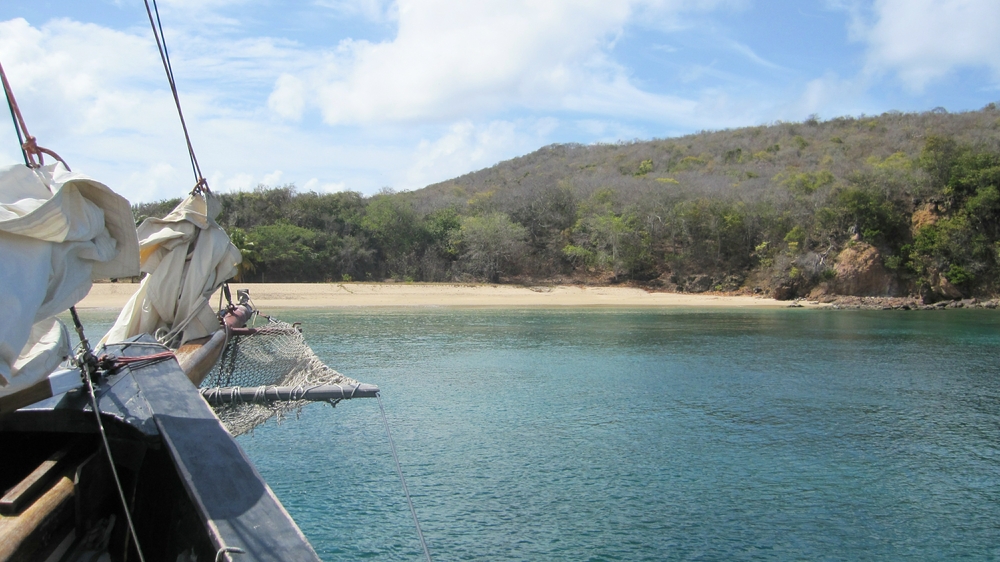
(650, 435)
(637, 435)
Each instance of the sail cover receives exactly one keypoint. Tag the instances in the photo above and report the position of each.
(186, 256)
(59, 231)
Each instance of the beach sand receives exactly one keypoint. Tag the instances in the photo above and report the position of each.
(332, 295)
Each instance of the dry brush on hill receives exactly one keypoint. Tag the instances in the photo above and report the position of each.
(879, 205)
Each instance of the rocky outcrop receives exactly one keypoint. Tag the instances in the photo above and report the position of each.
(939, 289)
(905, 303)
(698, 284)
(784, 291)
(860, 272)
(702, 283)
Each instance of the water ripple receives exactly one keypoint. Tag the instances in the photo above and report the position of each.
(651, 435)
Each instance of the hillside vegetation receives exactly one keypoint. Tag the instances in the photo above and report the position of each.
(894, 204)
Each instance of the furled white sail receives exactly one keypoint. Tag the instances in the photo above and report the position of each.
(186, 256)
(59, 230)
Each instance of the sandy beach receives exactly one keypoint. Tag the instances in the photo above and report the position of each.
(332, 295)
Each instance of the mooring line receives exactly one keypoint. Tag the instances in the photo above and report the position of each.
(399, 471)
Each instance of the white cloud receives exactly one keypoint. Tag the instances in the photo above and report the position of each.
(924, 40)
(373, 10)
(201, 6)
(461, 60)
(84, 91)
(206, 14)
(288, 97)
(455, 59)
(274, 178)
(315, 185)
(152, 184)
(467, 146)
(492, 70)
(238, 182)
(830, 95)
(752, 56)
(99, 98)
(677, 15)
(90, 72)
(621, 98)
(459, 86)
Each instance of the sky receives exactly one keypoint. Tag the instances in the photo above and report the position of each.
(364, 95)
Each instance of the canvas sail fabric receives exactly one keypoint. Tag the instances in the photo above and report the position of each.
(186, 256)
(59, 231)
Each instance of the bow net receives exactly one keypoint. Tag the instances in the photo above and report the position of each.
(275, 354)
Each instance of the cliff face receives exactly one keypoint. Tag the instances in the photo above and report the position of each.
(859, 272)
(939, 289)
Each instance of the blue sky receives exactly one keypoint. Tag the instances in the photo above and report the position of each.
(365, 94)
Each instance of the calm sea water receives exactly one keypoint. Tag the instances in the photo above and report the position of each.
(650, 435)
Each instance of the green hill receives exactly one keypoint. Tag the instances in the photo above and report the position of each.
(885, 205)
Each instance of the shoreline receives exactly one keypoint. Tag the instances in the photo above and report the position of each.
(458, 295)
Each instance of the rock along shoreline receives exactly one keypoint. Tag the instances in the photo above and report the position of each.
(897, 303)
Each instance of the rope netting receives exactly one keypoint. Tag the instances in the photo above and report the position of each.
(272, 355)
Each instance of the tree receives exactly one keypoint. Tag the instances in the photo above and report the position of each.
(964, 246)
(392, 225)
(248, 250)
(286, 252)
(614, 242)
(866, 212)
(490, 245)
(355, 258)
(546, 213)
(938, 156)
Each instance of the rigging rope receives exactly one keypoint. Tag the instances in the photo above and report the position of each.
(161, 44)
(87, 363)
(29, 146)
(399, 471)
(85, 359)
(13, 116)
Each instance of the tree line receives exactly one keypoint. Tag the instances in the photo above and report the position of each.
(757, 207)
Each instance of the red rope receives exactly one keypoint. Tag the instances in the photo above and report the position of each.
(201, 187)
(111, 363)
(154, 357)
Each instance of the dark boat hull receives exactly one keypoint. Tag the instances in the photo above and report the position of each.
(191, 489)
